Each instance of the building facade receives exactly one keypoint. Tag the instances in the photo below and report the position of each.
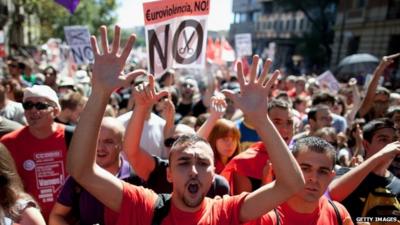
(275, 30)
(368, 26)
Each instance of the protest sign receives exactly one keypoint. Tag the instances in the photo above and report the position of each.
(176, 34)
(326, 79)
(78, 38)
(243, 45)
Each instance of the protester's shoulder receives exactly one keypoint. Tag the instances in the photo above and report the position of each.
(227, 200)
(14, 134)
(138, 193)
(124, 118)
(7, 125)
(155, 119)
(15, 106)
(160, 162)
(300, 136)
(332, 207)
(394, 185)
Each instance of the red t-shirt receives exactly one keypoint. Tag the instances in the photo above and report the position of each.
(249, 163)
(40, 164)
(138, 204)
(323, 215)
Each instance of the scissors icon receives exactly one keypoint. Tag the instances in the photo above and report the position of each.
(186, 49)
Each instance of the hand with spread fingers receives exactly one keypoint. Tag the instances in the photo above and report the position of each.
(253, 97)
(109, 63)
(146, 95)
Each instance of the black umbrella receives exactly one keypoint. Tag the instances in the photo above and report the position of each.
(356, 65)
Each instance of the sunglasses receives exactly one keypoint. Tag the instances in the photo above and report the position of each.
(38, 105)
(169, 142)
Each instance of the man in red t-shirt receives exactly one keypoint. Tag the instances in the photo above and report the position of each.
(39, 149)
(191, 167)
(310, 206)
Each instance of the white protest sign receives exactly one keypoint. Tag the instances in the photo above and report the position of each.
(176, 33)
(243, 45)
(78, 38)
(326, 79)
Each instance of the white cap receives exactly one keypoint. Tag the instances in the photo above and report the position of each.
(43, 91)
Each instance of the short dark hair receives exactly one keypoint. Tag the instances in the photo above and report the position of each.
(72, 100)
(323, 98)
(312, 114)
(279, 103)
(315, 144)
(184, 141)
(373, 126)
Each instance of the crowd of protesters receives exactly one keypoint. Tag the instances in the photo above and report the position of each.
(112, 144)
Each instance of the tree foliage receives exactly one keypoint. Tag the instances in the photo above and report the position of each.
(53, 17)
(316, 44)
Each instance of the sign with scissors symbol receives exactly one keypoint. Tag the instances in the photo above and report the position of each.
(186, 49)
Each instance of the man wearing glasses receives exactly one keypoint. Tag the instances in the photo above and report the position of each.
(39, 149)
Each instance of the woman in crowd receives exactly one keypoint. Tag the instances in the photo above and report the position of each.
(16, 206)
(225, 142)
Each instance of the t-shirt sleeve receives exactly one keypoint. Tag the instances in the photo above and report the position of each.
(137, 205)
(230, 208)
(68, 192)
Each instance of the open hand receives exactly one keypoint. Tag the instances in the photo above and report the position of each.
(253, 96)
(145, 94)
(109, 63)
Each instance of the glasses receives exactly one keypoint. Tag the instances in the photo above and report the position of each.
(170, 141)
(38, 105)
(13, 65)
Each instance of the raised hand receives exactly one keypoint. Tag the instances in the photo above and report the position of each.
(109, 63)
(218, 106)
(146, 96)
(168, 112)
(253, 96)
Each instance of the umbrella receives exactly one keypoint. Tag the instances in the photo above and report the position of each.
(357, 59)
(356, 65)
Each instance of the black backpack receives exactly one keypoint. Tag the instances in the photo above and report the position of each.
(161, 208)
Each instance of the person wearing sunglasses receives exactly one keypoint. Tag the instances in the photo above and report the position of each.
(39, 149)
(191, 168)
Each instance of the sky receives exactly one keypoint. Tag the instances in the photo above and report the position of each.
(130, 14)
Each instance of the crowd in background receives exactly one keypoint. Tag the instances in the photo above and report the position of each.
(39, 109)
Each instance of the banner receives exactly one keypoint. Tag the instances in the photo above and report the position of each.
(78, 38)
(327, 80)
(243, 45)
(176, 33)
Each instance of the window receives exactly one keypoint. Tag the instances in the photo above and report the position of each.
(352, 46)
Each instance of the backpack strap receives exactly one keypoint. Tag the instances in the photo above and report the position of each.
(161, 208)
(68, 132)
(278, 219)
(338, 217)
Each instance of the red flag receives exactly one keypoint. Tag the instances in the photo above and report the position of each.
(227, 52)
(217, 51)
(210, 50)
